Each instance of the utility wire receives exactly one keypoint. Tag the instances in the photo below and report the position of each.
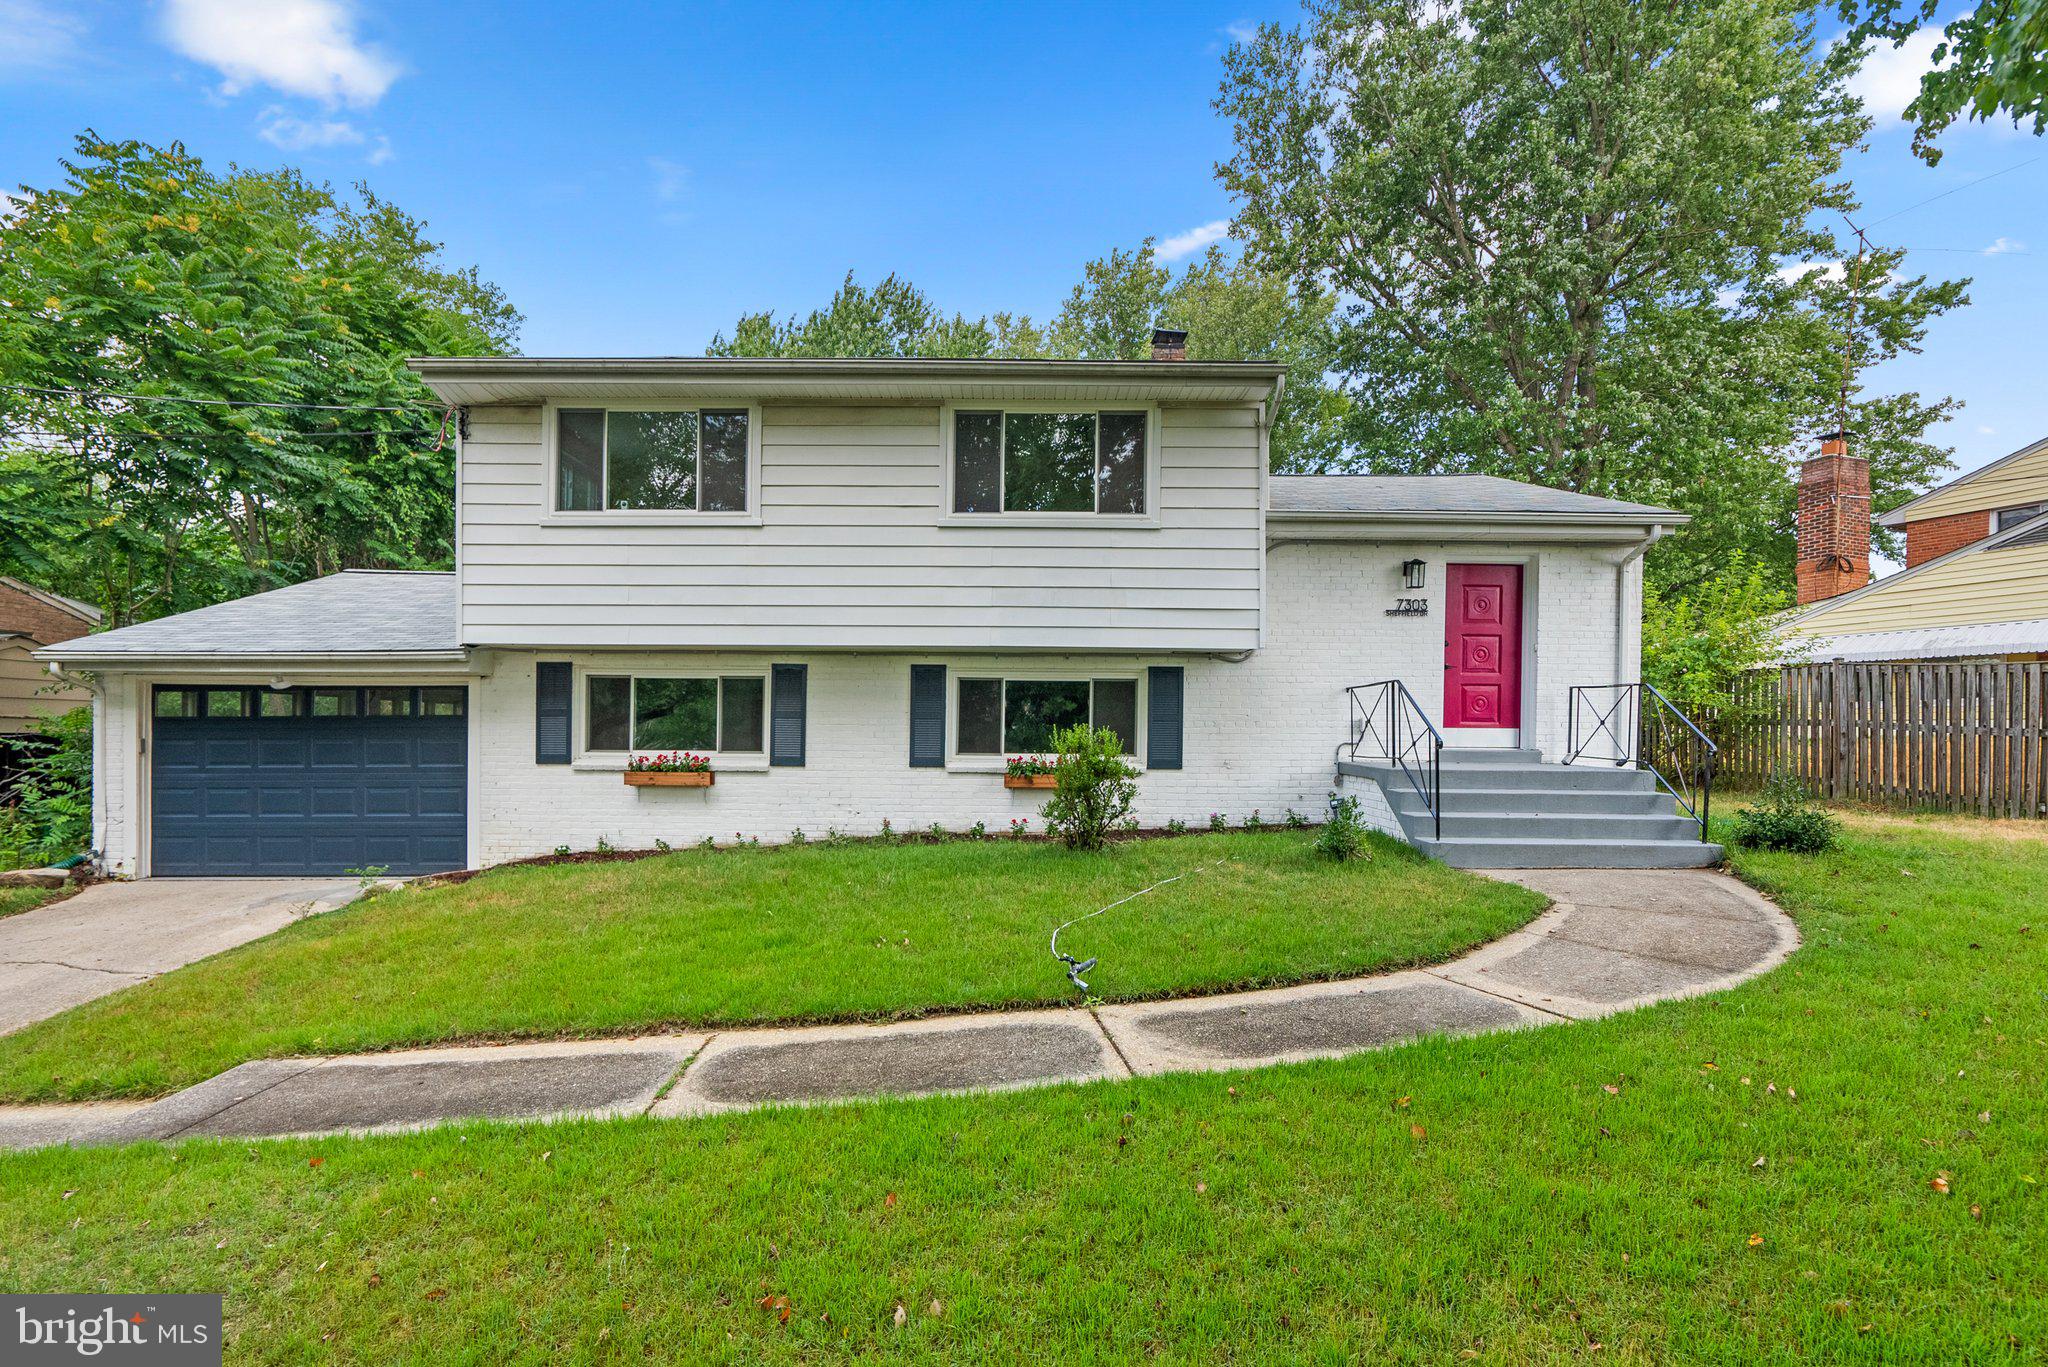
(1956, 190)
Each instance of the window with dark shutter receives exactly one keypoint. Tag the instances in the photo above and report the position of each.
(553, 686)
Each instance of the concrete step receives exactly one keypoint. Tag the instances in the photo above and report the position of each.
(1595, 828)
(1578, 777)
(1525, 755)
(1571, 854)
(1542, 801)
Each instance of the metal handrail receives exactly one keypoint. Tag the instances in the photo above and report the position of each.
(1656, 736)
(1384, 713)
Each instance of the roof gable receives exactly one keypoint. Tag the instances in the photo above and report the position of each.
(2011, 480)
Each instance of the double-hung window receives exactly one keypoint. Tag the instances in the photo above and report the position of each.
(721, 713)
(1019, 716)
(652, 459)
(1077, 462)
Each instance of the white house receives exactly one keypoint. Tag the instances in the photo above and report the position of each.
(857, 585)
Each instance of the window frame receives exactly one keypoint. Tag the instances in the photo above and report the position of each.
(2028, 511)
(579, 709)
(1147, 520)
(551, 440)
(979, 760)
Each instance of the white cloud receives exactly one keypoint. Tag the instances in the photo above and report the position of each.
(1890, 76)
(295, 134)
(1193, 240)
(1241, 31)
(7, 203)
(2004, 245)
(1799, 270)
(36, 37)
(671, 179)
(301, 47)
(1986, 430)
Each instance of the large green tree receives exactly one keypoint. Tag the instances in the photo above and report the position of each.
(1992, 61)
(258, 325)
(1588, 243)
(1231, 311)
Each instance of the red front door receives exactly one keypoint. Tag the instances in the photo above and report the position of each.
(1483, 646)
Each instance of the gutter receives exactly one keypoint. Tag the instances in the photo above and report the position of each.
(254, 660)
(657, 367)
(1659, 520)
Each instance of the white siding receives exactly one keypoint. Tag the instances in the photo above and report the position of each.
(852, 551)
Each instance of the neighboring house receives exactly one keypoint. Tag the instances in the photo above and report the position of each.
(858, 585)
(31, 618)
(1975, 584)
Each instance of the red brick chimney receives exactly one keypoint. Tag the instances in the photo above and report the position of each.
(1834, 522)
(1169, 344)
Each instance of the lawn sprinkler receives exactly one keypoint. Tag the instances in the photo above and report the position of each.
(1076, 967)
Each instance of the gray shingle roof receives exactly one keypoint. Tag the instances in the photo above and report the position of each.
(1454, 495)
(356, 612)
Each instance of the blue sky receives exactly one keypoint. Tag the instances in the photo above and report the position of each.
(636, 176)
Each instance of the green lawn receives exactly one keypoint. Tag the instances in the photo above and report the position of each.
(728, 937)
(13, 900)
(1484, 1199)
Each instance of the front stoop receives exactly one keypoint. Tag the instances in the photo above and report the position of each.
(1507, 809)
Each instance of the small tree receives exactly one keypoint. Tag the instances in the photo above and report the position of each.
(1698, 643)
(51, 812)
(1095, 786)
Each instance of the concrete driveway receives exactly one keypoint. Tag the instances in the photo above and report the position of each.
(114, 934)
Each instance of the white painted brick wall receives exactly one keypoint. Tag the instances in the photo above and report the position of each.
(1260, 733)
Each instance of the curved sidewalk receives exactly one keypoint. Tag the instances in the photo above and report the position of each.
(1613, 939)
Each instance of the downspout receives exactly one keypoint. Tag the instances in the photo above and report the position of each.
(1657, 534)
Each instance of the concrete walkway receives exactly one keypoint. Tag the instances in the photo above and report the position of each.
(113, 935)
(1613, 940)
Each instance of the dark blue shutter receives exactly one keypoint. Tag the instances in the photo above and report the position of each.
(552, 685)
(927, 716)
(786, 714)
(1165, 685)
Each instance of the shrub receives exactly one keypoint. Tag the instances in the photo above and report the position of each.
(1786, 818)
(1095, 786)
(1342, 837)
(52, 813)
(1699, 641)
(1176, 827)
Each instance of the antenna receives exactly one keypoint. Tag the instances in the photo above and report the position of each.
(1849, 349)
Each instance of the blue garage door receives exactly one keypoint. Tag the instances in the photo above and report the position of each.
(308, 780)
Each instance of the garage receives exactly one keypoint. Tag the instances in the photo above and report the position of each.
(262, 781)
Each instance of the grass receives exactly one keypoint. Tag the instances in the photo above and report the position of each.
(1484, 1199)
(16, 900)
(749, 936)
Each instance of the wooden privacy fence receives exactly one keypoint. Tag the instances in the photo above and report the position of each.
(1966, 737)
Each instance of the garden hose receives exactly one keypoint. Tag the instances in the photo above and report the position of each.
(1076, 967)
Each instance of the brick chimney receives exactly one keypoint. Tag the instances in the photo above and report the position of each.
(1834, 522)
(1169, 344)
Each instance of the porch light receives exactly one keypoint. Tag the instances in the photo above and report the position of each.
(1411, 574)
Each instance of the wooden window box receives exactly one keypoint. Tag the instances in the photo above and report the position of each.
(669, 778)
(1031, 780)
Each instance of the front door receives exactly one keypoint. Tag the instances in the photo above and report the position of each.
(1483, 647)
